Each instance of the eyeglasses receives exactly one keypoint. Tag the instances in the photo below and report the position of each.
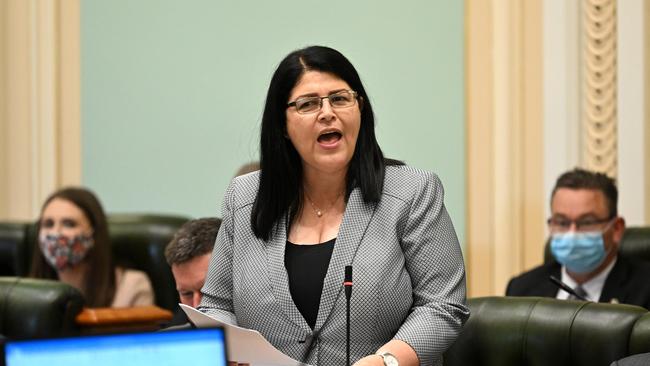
(340, 99)
(561, 225)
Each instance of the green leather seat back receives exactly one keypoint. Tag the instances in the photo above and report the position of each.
(139, 242)
(531, 331)
(494, 334)
(13, 249)
(640, 341)
(37, 308)
(636, 243)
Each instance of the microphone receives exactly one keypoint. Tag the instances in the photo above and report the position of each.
(347, 283)
(565, 287)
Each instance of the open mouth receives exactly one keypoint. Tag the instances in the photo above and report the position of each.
(329, 137)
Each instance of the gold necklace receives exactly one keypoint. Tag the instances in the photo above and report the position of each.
(317, 210)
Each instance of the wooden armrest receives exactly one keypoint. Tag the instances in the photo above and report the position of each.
(93, 317)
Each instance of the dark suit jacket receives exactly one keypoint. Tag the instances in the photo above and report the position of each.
(628, 282)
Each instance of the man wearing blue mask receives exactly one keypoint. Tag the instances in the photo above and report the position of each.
(585, 233)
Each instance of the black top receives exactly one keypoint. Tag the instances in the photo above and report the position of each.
(307, 266)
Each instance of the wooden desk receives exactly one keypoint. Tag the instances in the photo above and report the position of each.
(140, 318)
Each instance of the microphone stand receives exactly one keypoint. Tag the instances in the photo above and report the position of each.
(348, 292)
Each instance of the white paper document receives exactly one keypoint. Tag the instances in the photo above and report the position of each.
(244, 345)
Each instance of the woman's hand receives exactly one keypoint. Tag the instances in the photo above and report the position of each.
(371, 360)
(398, 348)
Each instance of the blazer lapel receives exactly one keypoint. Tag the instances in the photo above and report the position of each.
(356, 218)
(278, 273)
(548, 288)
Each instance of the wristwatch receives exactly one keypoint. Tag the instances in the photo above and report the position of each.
(389, 359)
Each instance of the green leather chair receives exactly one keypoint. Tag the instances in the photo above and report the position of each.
(37, 308)
(529, 331)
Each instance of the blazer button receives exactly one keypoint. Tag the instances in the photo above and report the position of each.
(307, 338)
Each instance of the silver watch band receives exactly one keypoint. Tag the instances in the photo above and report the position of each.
(389, 359)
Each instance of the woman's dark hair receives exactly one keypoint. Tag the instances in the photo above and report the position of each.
(280, 189)
(99, 282)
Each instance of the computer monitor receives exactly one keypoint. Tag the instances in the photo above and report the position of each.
(196, 347)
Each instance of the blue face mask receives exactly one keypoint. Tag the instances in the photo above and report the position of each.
(579, 252)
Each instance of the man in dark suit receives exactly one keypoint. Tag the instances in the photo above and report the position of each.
(585, 234)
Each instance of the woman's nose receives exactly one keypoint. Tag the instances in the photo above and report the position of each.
(326, 113)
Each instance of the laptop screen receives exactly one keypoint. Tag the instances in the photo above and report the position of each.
(196, 347)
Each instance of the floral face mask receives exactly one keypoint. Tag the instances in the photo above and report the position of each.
(63, 252)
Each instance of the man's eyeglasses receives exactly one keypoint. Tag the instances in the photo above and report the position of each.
(561, 225)
(340, 99)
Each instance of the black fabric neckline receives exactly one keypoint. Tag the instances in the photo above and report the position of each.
(306, 267)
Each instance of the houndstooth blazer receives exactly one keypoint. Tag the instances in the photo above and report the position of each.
(409, 277)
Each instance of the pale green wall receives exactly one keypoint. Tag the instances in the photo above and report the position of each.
(172, 91)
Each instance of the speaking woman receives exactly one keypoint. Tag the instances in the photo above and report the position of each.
(325, 198)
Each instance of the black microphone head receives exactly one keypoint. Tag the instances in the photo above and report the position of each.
(348, 273)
